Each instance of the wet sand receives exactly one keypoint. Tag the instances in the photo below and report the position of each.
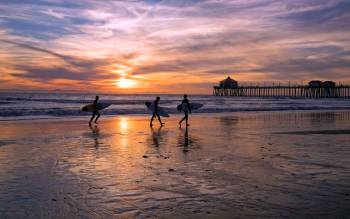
(248, 165)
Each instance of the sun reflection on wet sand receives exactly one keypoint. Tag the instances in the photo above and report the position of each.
(123, 124)
(234, 164)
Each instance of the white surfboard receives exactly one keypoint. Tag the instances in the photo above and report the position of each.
(91, 107)
(194, 106)
(161, 110)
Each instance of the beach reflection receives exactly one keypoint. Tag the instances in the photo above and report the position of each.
(123, 124)
(95, 135)
(123, 128)
(229, 122)
(186, 141)
(143, 172)
(228, 125)
(157, 136)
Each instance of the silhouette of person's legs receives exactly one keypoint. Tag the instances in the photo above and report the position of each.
(92, 118)
(160, 121)
(98, 116)
(185, 117)
(181, 120)
(154, 114)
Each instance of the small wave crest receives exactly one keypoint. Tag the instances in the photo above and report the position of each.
(62, 112)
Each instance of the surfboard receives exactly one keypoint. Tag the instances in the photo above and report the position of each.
(194, 106)
(161, 110)
(91, 107)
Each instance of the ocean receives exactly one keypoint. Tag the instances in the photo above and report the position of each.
(19, 106)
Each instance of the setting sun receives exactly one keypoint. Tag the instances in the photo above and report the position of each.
(126, 83)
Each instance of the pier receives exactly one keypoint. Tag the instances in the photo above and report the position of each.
(315, 89)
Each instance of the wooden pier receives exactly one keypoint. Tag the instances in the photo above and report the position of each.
(340, 91)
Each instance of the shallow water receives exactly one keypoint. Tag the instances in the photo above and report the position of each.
(223, 166)
(23, 106)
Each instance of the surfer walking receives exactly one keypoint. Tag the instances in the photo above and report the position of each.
(95, 112)
(186, 108)
(156, 112)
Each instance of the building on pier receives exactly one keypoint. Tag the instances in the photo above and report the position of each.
(228, 83)
(314, 89)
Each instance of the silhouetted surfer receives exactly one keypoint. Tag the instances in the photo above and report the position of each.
(155, 112)
(186, 108)
(95, 112)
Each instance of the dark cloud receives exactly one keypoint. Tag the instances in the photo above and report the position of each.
(228, 71)
(217, 9)
(77, 62)
(63, 3)
(322, 14)
(298, 67)
(38, 49)
(75, 69)
(178, 65)
(332, 17)
(174, 3)
(49, 74)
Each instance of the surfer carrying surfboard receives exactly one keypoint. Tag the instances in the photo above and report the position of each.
(156, 112)
(186, 108)
(95, 111)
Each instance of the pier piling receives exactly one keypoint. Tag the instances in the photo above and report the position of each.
(341, 91)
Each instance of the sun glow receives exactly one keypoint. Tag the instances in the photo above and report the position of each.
(122, 70)
(123, 124)
(126, 83)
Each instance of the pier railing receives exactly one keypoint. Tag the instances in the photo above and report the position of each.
(341, 91)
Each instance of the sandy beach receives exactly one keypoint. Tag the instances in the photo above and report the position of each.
(232, 165)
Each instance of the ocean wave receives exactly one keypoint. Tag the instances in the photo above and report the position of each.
(9, 100)
(61, 112)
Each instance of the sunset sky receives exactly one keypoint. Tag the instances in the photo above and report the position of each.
(170, 46)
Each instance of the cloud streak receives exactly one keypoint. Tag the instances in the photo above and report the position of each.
(155, 42)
